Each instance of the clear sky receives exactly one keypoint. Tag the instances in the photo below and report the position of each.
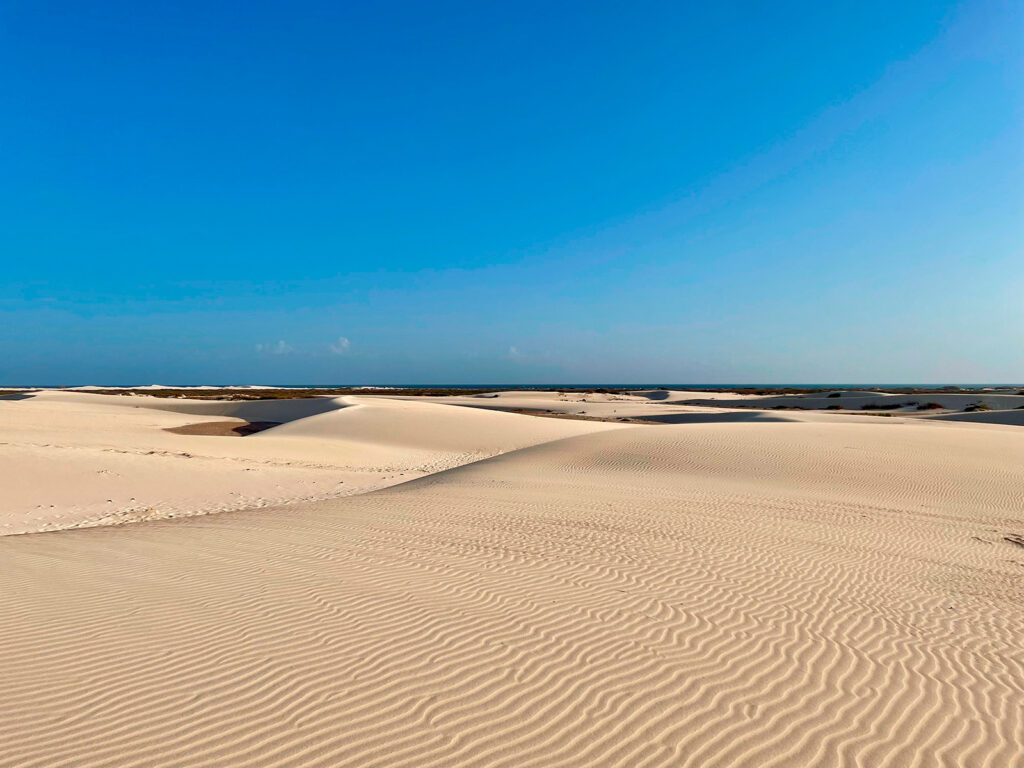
(484, 192)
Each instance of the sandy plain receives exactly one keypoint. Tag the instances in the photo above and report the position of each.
(419, 583)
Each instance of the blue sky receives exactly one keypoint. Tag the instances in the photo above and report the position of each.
(321, 192)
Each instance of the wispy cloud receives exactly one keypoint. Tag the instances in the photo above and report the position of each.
(280, 348)
(341, 346)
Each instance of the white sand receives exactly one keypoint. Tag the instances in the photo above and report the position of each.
(653, 404)
(1007, 407)
(70, 459)
(821, 591)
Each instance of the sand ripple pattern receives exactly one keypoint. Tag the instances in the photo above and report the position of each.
(605, 600)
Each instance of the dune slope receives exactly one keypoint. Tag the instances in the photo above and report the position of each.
(744, 594)
(69, 459)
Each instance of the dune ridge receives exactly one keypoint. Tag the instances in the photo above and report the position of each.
(70, 459)
(722, 594)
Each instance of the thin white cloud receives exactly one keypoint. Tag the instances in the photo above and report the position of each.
(280, 348)
(341, 346)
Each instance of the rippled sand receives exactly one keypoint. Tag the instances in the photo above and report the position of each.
(830, 592)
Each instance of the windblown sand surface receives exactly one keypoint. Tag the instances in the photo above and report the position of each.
(70, 459)
(818, 591)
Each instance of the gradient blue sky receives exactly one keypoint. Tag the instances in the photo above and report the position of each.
(322, 192)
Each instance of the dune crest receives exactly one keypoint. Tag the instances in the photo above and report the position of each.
(70, 459)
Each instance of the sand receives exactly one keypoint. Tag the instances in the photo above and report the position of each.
(821, 590)
(69, 459)
(1005, 406)
(688, 407)
(658, 406)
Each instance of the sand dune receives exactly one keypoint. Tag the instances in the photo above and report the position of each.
(70, 459)
(854, 400)
(250, 410)
(682, 395)
(652, 405)
(807, 593)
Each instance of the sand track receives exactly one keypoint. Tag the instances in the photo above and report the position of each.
(741, 594)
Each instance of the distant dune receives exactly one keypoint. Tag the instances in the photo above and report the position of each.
(855, 399)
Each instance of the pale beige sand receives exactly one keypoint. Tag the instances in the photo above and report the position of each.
(803, 593)
(691, 407)
(70, 459)
(997, 400)
(660, 404)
